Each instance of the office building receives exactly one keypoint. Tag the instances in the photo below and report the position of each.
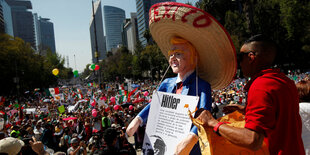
(130, 32)
(99, 40)
(45, 37)
(6, 25)
(113, 21)
(143, 7)
(23, 24)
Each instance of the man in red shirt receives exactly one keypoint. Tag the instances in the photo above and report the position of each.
(271, 111)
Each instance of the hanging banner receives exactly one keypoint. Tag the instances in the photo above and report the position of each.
(168, 122)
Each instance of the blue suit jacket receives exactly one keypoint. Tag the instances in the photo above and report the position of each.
(189, 88)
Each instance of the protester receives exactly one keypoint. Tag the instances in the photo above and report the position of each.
(272, 109)
(303, 88)
(76, 147)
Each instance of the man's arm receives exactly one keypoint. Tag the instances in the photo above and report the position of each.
(186, 145)
(133, 126)
(240, 136)
(75, 151)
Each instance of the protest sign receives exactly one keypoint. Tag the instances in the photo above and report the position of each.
(168, 122)
(61, 109)
(31, 110)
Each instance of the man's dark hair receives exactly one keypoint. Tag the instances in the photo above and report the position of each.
(267, 43)
(110, 134)
(267, 47)
(258, 37)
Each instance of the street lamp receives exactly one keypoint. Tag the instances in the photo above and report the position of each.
(96, 45)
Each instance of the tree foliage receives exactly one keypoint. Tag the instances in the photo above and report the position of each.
(287, 22)
(22, 69)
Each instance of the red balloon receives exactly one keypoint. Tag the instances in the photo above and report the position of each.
(107, 109)
(117, 107)
(130, 107)
(96, 67)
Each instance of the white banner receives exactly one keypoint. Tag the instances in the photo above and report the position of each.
(30, 110)
(168, 122)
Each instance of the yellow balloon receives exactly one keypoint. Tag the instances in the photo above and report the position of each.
(55, 71)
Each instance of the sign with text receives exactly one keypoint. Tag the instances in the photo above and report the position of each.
(168, 122)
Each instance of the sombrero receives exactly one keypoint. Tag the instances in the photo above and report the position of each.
(217, 62)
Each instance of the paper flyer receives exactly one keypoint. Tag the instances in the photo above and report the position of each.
(168, 122)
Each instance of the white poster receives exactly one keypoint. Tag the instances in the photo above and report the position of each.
(31, 110)
(168, 122)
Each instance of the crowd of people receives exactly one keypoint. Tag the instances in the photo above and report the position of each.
(83, 131)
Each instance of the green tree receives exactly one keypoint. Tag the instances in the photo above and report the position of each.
(23, 69)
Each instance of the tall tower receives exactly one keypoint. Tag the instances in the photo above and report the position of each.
(143, 7)
(101, 42)
(23, 25)
(6, 25)
(130, 32)
(45, 37)
(113, 21)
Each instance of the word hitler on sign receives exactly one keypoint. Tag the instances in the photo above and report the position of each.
(170, 102)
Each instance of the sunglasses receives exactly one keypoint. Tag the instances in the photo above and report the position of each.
(241, 55)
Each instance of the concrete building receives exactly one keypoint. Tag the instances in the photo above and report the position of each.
(113, 21)
(131, 33)
(100, 39)
(6, 24)
(45, 37)
(143, 7)
(23, 25)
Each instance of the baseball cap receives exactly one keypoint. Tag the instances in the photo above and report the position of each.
(74, 140)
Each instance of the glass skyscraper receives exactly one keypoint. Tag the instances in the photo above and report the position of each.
(6, 24)
(143, 7)
(101, 42)
(23, 25)
(45, 37)
(113, 21)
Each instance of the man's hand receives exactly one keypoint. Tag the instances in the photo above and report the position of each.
(37, 146)
(239, 136)
(186, 145)
(233, 107)
(206, 118)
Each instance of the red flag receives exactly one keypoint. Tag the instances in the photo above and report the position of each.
(137, 94)
(56, 90)
(133, 91)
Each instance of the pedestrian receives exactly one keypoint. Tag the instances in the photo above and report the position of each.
(303, 88)
(272, 108)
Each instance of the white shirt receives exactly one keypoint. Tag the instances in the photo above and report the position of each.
(185, 76)
(304, 111)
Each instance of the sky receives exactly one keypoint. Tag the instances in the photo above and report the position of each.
(71, 19)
